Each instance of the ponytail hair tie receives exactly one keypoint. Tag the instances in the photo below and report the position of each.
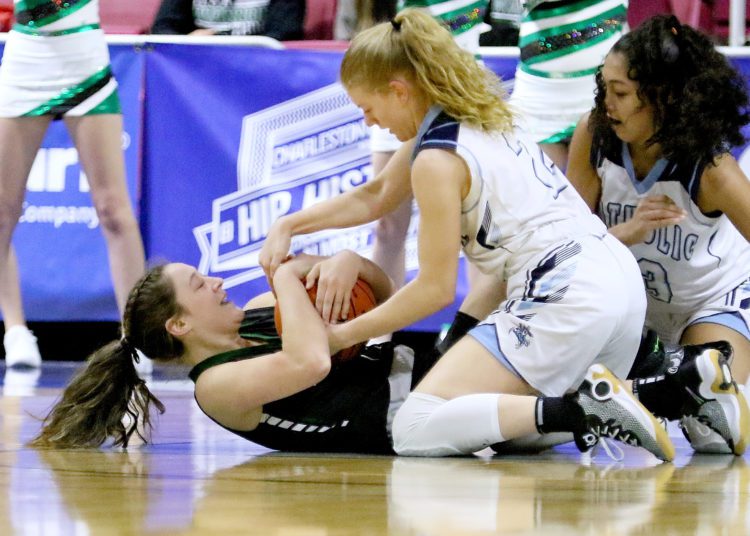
(396, 25)
(129, 348)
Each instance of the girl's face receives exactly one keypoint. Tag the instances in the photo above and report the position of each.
(203, 300)
(393, 109)
(631, 118)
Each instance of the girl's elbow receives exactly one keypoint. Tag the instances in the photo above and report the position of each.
(447, 299)
(439, 292)
(309, 365)
(443, 295)
(319, 365)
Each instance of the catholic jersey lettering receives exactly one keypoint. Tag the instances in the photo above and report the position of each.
(672, 241)
(718, 255)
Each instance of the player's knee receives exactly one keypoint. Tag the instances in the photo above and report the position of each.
(116, 220)
(388, 233)
(393, 226)
(9, 215)
(407, 424)
(410, 425)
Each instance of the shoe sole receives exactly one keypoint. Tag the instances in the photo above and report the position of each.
(713, 368)
(622, 396)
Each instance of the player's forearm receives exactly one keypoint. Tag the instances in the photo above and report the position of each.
(413, 302)
(356, 207)
(624, 233)
(304, 335)
(484, 296)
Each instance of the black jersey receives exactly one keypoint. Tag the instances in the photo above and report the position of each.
(346, 412)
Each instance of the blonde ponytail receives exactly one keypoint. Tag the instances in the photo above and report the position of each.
(415, 45)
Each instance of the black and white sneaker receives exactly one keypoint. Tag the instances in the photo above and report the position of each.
(716, 416)
(612, 412)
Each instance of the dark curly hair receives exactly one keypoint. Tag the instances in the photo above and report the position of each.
(700, 101)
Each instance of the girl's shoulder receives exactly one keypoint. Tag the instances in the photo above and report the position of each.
(724, 167)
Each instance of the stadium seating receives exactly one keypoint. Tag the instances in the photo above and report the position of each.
(133, 17)
(319, 19)
(711, 17)
(720, 19)
(6, 15)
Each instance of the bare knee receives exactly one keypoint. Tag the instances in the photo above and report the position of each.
(115, 219)
(391, 229)
(9, 215)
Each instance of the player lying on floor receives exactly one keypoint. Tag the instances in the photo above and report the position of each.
(282, 394)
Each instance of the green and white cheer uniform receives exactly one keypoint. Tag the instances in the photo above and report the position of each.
(56, 62)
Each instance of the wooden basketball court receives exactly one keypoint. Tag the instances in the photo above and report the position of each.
(198, 479)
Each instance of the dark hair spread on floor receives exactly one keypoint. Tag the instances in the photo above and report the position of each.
(107, 399)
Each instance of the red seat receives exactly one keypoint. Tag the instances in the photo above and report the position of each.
(6, 15)
(640, 10)
(709, 16)
(319, 19)
(721, 18)
(133, 17)
(317, 44)
(695, 13)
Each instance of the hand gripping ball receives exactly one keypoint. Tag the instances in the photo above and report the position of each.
(362, 301)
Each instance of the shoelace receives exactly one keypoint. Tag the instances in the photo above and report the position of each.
(611, 449)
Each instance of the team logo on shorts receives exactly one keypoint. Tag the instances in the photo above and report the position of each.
(523, 335)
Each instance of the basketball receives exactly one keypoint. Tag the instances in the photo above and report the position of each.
(362, 300)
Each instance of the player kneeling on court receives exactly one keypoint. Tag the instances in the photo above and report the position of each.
(654, 160)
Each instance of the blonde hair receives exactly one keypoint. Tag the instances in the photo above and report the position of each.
(417, 46)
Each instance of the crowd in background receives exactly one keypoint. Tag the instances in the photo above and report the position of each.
(340, 19)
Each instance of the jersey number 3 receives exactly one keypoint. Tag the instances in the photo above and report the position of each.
(656, 280)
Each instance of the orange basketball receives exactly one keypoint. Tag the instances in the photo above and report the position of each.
(362, 300)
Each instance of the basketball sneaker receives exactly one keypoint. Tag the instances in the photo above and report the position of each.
(612, 412)
(716, 416)
(21, 350)
(702, 437)
(20, 381)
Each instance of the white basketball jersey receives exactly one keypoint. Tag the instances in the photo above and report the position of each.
(683, 265)
(519, 203)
